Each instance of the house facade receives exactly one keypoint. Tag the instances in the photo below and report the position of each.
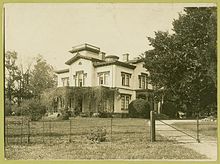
(90, 68)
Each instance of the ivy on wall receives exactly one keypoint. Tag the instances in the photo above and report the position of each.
(96, 99)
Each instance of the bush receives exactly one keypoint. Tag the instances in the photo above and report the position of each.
(32, 108)
(139, 108)
(65, 116)
(162, 116)
(169, 109)
(105, 115)
(8, 109)
(97, 135)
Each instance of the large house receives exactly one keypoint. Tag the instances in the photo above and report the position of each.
(90, 69)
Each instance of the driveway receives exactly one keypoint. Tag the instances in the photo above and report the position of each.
(207, 146)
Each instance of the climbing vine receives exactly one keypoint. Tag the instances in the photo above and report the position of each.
(95, 99)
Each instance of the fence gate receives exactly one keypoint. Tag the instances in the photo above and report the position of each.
(194, 130)
(167, 130)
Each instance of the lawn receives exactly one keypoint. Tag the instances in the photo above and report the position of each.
(126, 139)
(206, 128)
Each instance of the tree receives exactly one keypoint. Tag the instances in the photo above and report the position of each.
(11, 78)
(32, 108)
(42, 77)
(184, 63)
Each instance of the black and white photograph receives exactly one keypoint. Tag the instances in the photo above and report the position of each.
(110, 81)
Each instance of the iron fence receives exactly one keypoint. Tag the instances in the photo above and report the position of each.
(23, 131)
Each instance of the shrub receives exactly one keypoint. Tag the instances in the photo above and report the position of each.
(162, 116)
(8, 109)
(105, 115)
(32, 108)
(65, 115)
(169, 109)
(97, 135)
(139, 108)
(141, 96)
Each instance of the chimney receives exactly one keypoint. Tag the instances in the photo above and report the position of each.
(102, 55)
(125, 57)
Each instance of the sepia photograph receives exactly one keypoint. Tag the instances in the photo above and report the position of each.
(110, 81)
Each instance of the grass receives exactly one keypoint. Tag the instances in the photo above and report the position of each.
(206, 128)
(129, 139)
(123, 149)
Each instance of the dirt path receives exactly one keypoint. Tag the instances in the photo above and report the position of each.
(207, 146)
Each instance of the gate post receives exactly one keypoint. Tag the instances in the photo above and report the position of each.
(152, 126)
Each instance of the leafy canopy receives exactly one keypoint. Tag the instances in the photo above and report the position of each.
(184, 62)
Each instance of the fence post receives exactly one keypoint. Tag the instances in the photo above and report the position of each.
(70, 131)
(6, 132)
(43, 132)
(152, 126)
(197, 128)
(50, 130)
(111, 129)
(21, 130)
(28, 132)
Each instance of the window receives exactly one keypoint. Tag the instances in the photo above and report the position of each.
(125, 99)
(61, 102)
(103, 78)
(79, 78)
(65, 81)
(143, 81)
(125, 79)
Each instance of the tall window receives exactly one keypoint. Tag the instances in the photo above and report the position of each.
(143, 81)
(79, 78)
(65, 81)
(125, 99)
(125, 77)
(103, 78)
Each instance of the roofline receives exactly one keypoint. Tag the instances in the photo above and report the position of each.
(73, 59)
(85, 46)
(118, 63)
(137, 61)
(112, 56)
(62, 71)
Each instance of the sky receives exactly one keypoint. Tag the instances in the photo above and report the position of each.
(51, 30)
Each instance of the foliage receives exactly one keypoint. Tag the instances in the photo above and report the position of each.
(105, 115)
(42, 77)
(8, 109)
(141, 96)
(184, 63)
(139, 108)
(32, 108)
(170, 109)
(97, 135)
(95, 96)
(22, 85)
(11, 76)
(65, 115)
(161, 116)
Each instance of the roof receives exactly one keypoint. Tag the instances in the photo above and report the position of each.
(62, 71)
(85, 46)
(119, 63)
(112, 56)
(135, 61)
(78, 56)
